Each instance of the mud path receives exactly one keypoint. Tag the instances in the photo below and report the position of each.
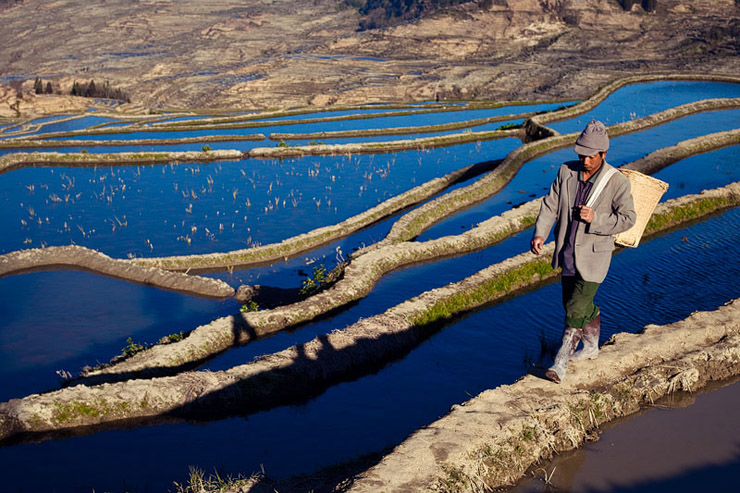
(11, 162)
(374, 132)
(81, 258)
(296, 372)
(490, 440)
(32, 144)
(365, 270)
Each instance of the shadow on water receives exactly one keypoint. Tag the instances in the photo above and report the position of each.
(329, 423)
(307, 376)
(346, 420)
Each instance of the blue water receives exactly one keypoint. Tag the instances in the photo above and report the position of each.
(385, 138)
(61, 320)
(47, 119)
(336, 113)
(535, 177)
(244, 145)
(231, 204)
(638, 100)
(434, 118)
(487, 348)
(73, 124)
(189, 118)
(702, 172)
(47, 328)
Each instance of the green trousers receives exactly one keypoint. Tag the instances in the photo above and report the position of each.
(578, 301)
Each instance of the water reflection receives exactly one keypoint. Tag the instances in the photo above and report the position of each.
(638, 100)
(62, 320)
(485, 349)
(203, 208)
(45, 326)
(535, 177)
(685, 443)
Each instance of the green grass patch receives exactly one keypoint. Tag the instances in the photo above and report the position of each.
(677, 215)
(509, 126)
(131, 348)
(70, 411)
(252, 306)
(313, 283)
(174, 337)
(490, 290)
(73, 411)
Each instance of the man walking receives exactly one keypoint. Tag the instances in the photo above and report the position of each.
(588, 202)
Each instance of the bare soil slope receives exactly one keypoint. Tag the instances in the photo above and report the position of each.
(284, 53)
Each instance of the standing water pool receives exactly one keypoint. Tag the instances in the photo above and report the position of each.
(61, 320)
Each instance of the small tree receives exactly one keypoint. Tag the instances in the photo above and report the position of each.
(649, 5)
(49, 88)
(90, 92)
(17, 85)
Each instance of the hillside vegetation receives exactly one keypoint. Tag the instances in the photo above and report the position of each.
(383, 13)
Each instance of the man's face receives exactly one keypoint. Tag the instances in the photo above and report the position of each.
(592, 163)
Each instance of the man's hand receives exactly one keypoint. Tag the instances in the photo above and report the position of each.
(586, 214)
(536, 244)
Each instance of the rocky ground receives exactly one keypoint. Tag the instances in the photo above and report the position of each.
(232, 54)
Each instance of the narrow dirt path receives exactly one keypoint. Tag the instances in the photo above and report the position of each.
(81, 258)
(305, 369)
(10, 162)
(491, 440)
(363, 272)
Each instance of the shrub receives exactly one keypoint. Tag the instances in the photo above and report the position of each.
(314, 282)
(252, 306)
(92, 90)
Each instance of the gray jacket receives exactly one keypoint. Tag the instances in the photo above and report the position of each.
(614, 212)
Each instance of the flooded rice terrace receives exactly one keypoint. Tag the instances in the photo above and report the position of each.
(63, 320)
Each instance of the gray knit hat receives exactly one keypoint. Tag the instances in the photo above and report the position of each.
(593, 139)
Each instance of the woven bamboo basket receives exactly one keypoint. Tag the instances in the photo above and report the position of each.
(646, 191)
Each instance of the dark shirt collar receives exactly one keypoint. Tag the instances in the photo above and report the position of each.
(594, 176)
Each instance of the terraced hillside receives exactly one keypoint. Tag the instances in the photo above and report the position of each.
(270, 54)
(342, 295)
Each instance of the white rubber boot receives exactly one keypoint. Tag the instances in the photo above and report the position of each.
(590, 341)
(571, 337)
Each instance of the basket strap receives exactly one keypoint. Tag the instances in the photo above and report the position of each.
(600, 186)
